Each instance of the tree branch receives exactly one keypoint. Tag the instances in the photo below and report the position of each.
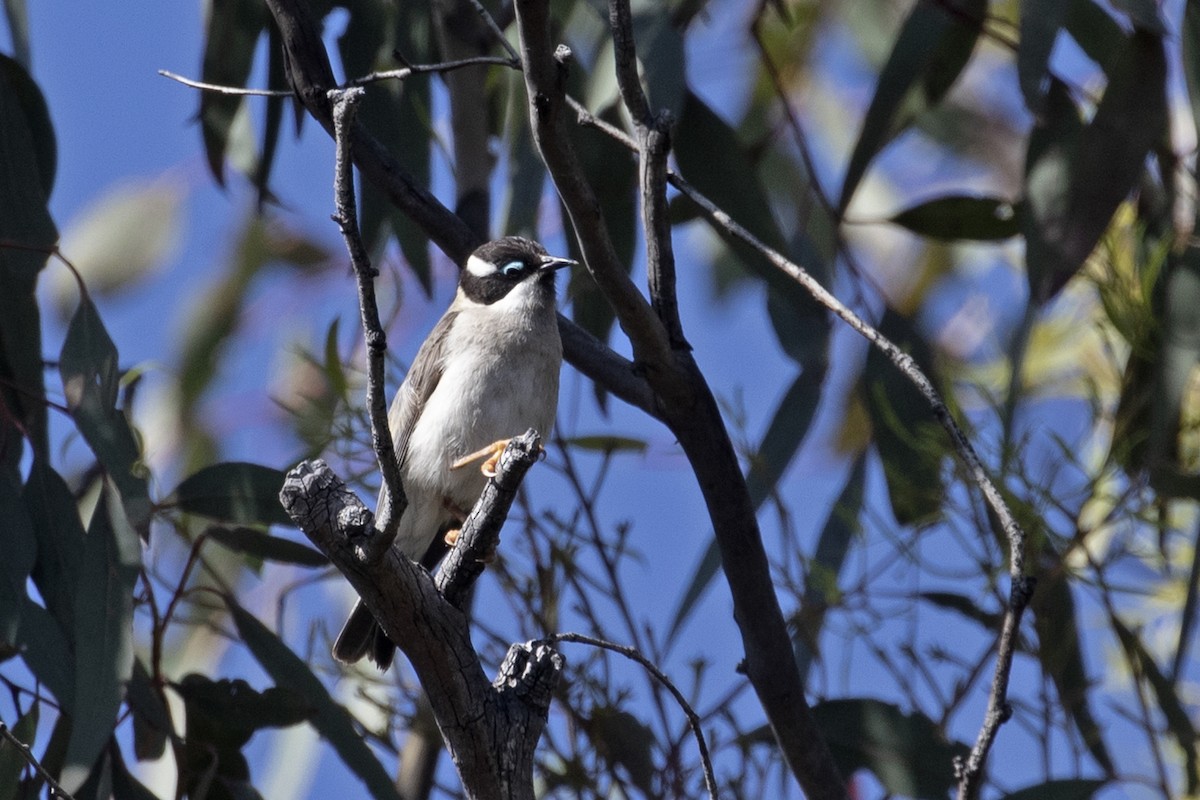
(543, 82)
(692, 414)
(491, 729)
(480, 533)
(345, 106)
(654, 145)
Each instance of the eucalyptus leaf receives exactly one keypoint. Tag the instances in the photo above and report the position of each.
(957, 217)
(230, 38)
(234, 491)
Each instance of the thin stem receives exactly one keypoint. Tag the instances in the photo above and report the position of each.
(710, 779)
(27, 753)
(392, 500)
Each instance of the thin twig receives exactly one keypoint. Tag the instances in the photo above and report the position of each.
(654, 146)
(421, 69)
(27, 753)
(710, 779)
(219, 89)
(392, 499)
(488, 20)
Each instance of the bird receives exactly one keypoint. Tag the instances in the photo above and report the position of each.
(487, 371)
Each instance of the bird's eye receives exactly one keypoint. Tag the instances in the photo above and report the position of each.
(512, 268)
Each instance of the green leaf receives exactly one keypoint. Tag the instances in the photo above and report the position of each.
(398, 114)
(522, 193)
(934, 45)
(12, 760)
(1061, 657)
(151, 718)
(785, 433)
(607, 444)
(125, 235)
(60, 541)
(966, 606)
(264, 546)
(911, 444)
(961, 217)
(905, 752)
(612, 173)
(91, 380)
(1067, 789)
(45, 650)
(1039, 25)
(664, 63)
(1178, 717)
(825, 568)
(1096, 32)
(103, 633)
(28, 156)
(17, 14)
(234, 491)
(20, 552)
(624, 740)
(1075, 181)
(332, 721)
(231, 35)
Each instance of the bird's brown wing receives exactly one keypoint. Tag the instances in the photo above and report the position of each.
(422, 379)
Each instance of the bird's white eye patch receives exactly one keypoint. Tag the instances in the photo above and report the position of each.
(512, 268)
(480, 268)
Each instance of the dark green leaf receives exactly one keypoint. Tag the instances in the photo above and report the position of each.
(1075, 181)
(234, 491)
(624, 740)
(91, 380)
(1178, 717)
(967, 606)
(27, 165)
(607, 444)
(825, 568)
(911, 444)
(1190, 36)
(12, 760)
(961, 217)
(332, 721)
(612, 173)
(124, 785)
(17, 14)
(1068, 789)
(934, 45)
(729, 181)
(20, 552)
(230, 39)
(103, 633)
(151, 718)
(1061, 656)
(660, 49)
(45, 651)
(264, 546)
(783, 438)
(1096, 33)
(526, 172)
(1144, 14)
(905, 752)
(60, 541)
(1039, 26)
(398, 114)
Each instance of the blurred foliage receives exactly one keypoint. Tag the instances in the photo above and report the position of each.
(995, 184)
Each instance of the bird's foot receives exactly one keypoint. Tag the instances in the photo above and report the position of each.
(452, 539)
(491, 453)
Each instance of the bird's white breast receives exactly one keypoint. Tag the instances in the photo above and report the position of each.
(501, 380)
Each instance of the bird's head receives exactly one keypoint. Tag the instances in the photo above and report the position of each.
(513, 263)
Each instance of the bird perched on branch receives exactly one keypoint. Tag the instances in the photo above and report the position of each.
(487, 371)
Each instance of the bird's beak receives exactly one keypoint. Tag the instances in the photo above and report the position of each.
(552, 263)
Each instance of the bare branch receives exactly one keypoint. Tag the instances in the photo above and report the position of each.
(653, 139)
(491, 729)
(219, 89)
(544, 76)
(422, 69)
(710, 779)
(345, 105)
(480, 533)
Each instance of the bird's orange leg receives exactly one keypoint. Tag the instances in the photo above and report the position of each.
(491, 453)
